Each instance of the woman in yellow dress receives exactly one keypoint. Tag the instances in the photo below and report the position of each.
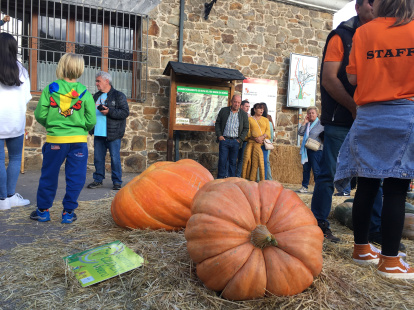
(255, 154)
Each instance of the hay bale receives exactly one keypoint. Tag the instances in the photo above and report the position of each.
(286, 166)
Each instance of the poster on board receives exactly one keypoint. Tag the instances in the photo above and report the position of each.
(303, 72)
(261, 90)
(199, 106)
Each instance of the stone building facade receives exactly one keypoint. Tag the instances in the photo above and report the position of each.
(254, 36)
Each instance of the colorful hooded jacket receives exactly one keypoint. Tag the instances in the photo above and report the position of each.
(67, 111)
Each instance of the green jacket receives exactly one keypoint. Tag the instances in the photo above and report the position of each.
(221, 122)
(67, 111)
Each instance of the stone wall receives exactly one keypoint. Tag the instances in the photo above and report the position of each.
(253, 36)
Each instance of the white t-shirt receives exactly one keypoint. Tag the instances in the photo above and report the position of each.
(13, 102)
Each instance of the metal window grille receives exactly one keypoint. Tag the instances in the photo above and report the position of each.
(109, 40)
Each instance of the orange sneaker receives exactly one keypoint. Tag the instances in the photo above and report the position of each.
(365, 254)
(394, 267)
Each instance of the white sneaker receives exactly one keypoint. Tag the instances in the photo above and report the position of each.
(303, 190)
(4, 204)
(17, 200)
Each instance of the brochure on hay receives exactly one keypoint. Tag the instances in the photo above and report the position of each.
(103, 262)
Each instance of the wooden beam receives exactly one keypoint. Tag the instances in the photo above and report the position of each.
(33, 43)
(105, 48)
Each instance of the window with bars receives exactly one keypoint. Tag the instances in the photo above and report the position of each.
(109, 40)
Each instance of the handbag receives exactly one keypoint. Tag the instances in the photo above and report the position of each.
(312, 144)
(267, 143)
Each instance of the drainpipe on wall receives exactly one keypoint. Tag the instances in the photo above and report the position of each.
(180, 42)
(180, 59)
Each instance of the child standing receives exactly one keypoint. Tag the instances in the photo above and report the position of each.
(67, 111)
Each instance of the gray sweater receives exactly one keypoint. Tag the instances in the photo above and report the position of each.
(313, 133)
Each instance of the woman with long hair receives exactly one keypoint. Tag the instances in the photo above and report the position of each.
(255, 154)
(380, 143)
(15, 94)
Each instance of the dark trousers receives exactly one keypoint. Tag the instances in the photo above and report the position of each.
(76, 156)
(392, 216)
(314, 159)
(101, 145)
(228, 151)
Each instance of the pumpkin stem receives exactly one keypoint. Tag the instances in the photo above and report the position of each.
(261, 237)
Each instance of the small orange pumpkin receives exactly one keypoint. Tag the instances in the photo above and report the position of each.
(249, 239)
(160, 197)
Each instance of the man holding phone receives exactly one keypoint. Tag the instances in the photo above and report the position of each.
(111, 113)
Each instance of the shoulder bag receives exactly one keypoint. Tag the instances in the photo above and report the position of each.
(267, 143)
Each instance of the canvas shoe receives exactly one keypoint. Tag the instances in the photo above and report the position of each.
(68, 218)
(342, 194)
(116, 187)
(95, 184)
(18, 201)
(394, 267)
(4, 204)
(303, 189)
(39, 216)
(365, 254)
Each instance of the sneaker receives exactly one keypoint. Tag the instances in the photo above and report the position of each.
(95, 184)
(327, 233)
(37, 215)
(365, 254)
(116, 187)
(303, 189)
(394, 267)
(376, 238)
(342, 194)
(68, 218)
(4, 204)
(18, 201)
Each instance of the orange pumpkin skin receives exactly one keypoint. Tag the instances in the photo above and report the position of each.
(160, 197)
(226, 238)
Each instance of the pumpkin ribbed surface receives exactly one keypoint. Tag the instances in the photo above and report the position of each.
(160, 197)
(250, 238)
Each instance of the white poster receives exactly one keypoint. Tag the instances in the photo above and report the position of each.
(303, 72)
(261, 90)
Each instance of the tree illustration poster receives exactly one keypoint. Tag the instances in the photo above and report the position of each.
(103, 262)
(303, 74)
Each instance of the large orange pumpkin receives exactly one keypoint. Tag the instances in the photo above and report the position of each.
(249, 239)
(161, 196)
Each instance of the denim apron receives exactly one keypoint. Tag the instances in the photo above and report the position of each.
(380, 143)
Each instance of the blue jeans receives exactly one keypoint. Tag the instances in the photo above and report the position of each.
(375, 224)
(239, 165)
(268, 169)
(324, 185)
(101, 145)
(324, 182)
(76, 155)
(314, 159)
(228, 151)
(9, 176)
(265, 160)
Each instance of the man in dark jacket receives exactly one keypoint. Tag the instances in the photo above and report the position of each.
(338, 109)
(111, 113)
(231, 126)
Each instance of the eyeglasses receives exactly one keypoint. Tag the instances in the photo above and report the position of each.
(371, 2)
